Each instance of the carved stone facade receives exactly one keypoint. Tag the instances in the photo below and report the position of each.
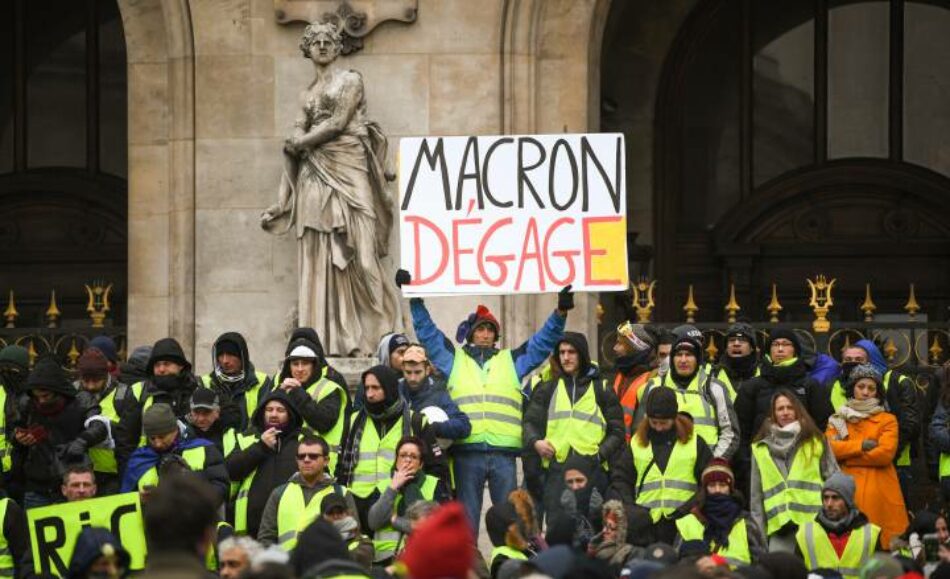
(212, 92)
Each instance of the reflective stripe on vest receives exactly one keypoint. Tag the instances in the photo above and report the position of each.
(103, 459)
(796, 499)
(580, 426)
(386, 539)
(194, 457)
(491, 397)
(662, 492)
(6, 457)
(294, 515)
(240, 489)
(334, 437)
(376, 457)
(6, 558)
(819, 553)
(507, 552)
(692, 400)
(736, 554)
(251, 396)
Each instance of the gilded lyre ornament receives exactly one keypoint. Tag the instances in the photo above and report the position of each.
(98, 304)
(912, 307)
(52, 312)
(821, 302)
(732, 308)
(690, 308)
(643, 301)
(868, 306)
(774, 307)
(935, 351)
(10, 314)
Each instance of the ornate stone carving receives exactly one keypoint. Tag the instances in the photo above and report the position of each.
(334, 195)
(355, 18)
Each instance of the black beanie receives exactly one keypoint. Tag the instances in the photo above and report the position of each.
(661, 403)
(317, 543)
(789, 335)
(47, 374)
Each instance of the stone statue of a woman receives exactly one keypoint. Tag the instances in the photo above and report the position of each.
(333, 192)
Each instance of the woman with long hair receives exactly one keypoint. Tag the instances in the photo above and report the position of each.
(668, 462)
(790, 461)
(864, 438)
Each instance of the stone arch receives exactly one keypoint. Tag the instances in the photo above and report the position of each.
(161, 277)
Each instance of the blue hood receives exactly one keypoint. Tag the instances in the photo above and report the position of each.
(875, 357)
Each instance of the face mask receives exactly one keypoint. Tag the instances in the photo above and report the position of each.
(664, 366)
(846, 368)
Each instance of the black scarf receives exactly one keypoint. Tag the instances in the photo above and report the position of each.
(626, 364)
(721, 512)
(840, 526)
(741, 367)
(683, 381)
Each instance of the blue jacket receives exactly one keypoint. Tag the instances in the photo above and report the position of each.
(441, 351)
(825, 370)
(433, 393)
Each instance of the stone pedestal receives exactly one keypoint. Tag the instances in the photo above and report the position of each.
(352, 369)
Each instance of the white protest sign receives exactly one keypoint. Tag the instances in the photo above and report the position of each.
(513, 214)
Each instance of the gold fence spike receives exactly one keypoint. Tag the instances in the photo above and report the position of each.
(121, 354)
(732, 308)
(10, 314)
(774, 307)
(31, 351)
(599, 312)
(912, 307)
(643, 301)
(690, 308)
(52, 312)
(935, 351)
(73, 354)
(868, 306)
(890, 350)
(847, 343)
(821, 302)
(711, 350)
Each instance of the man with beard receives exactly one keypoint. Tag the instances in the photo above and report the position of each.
(14, 367)
(52, 432)
(238, 385)
(369, 451)
(741, 360)
(635, 349)
(840, 537)
(169, 381)
(263, 459)
(322, 401)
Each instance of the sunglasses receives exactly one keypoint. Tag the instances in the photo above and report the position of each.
(309, 456)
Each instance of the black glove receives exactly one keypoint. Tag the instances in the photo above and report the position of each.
(402, 278)
(565, 299)
(75, 450)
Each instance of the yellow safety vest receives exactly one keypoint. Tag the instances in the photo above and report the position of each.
(240, 489)
(580, 427)
(294, 514)
(819, 553)
(386, 539)
(376, 456)
(491, 397)
(737, 554)
(692, 400)
(194, 457)
(796, 499)
(211, 556)
(662, 492)
(103, 459)
(6, 558)
(723, 377)
(251, 396)
(507, 551)
(838, 399)
(334, 437)
(6, 458)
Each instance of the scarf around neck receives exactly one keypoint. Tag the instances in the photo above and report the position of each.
(783, 440)
(854, 411)
(721, 512)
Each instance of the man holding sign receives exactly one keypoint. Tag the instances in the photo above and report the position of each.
(485, 382)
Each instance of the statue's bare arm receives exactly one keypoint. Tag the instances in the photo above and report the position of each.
(346, 107)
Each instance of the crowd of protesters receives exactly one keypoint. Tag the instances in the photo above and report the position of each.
(772, 463)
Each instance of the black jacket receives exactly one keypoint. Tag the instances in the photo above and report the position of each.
(231, 396)
(588, 376)
(903, 403)
(274, 466)
(754, 399)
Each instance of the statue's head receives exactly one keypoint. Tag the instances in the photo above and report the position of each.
(321, 42)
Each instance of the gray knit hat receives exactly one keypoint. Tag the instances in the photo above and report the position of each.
(159, 420)
(843, 484)
(864, 371)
